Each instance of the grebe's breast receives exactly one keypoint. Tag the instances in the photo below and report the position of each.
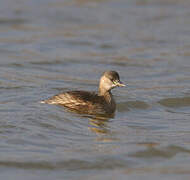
(83, 101)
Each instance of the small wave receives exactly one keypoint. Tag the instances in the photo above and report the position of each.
(175, 102)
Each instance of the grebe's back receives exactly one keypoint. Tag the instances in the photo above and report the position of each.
(83, 101)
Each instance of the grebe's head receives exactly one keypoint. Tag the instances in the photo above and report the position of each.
(110, 80)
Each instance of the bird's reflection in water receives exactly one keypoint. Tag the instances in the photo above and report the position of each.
(100, 126)
(97, 123)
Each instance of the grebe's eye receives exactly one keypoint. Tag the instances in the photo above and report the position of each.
(112, 79)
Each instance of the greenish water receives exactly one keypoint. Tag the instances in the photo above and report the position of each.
(47, 47)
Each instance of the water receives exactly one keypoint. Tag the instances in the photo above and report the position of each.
(48, 47)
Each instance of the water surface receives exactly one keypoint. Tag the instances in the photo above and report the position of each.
(48, 47)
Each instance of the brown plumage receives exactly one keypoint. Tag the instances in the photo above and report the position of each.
(90, 102)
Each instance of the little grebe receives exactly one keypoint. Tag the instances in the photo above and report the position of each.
(90, 102)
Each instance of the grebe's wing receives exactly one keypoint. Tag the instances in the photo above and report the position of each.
(73, 98)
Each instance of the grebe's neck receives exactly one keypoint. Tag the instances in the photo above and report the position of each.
(108, 99)
(106, 94)
(103, 92)
(105, 87)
